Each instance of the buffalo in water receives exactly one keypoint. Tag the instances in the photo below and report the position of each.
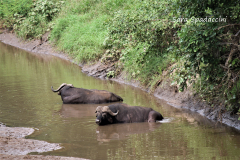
(72, 95)
(123, 113)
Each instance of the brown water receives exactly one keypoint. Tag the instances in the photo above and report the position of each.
(26, 100)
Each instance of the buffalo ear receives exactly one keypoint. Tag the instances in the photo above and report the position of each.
(110, 119)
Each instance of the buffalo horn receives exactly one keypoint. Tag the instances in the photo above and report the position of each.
(98, 109)
(62, 85)
(106, 109)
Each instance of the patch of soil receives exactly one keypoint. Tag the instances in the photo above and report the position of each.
(98, 69)
(164, 91)
(34, 157)
(21, 146)
(13, 145)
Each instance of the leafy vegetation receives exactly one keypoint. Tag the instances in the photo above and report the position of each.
(210, 50)
(144, 35)
(12, 11)
(29, 19)
(38, 19)
(81, 28)
(202, 39)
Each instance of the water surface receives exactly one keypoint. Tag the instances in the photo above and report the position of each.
(26, 100)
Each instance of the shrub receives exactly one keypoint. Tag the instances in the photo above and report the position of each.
(12, 10)
(144, 34)
(210, 50)
(38, 19)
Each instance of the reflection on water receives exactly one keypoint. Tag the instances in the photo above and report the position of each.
(123, 131)
(26, 100)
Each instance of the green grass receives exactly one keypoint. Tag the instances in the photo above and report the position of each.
(80, 37)
(81, 29)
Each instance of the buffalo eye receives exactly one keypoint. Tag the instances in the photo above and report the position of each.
(104, 114)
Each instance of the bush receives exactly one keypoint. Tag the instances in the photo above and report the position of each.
(38, 19)
(210, 50)
(12, 10)
(144, 34)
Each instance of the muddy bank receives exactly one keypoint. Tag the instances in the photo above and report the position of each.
(13, 144)
(100, 70)
(163, 91)
(35, 46)
(188, 100)
(40, 157)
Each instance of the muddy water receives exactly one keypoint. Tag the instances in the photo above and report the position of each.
(26, 100)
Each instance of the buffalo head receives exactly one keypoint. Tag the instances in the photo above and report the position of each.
(104, 115)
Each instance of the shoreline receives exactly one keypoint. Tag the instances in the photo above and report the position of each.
(163, 91)
(14, 145)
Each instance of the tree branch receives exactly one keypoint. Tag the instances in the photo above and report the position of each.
(233, 51)
(228, 26)
(237, 33)
(230, 44)
(224, 67)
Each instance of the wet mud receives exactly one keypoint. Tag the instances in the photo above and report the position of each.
(14, 145)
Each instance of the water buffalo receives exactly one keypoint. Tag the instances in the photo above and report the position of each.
(72, 95)
(122, 113)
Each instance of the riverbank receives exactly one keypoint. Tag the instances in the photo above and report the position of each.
(164, 90)
(15, 146)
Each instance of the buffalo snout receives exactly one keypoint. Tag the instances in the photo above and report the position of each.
(98, 121)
